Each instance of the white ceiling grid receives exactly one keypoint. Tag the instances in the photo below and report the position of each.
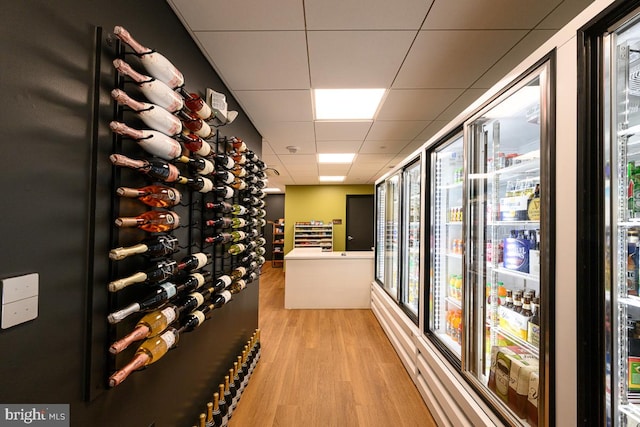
(434, 57)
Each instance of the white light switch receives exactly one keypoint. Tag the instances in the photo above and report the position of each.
(19, 300)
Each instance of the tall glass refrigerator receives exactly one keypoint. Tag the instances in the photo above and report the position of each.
(491, 244)
(609, 229)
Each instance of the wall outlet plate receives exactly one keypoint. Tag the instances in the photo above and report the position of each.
(19, 312)
(20, 287)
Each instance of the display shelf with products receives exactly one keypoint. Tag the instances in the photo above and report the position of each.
(313, 234)
(277, 256)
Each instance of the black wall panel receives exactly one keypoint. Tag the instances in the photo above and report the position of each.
(47, 85)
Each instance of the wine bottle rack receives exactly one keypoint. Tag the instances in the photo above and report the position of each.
(191, 233)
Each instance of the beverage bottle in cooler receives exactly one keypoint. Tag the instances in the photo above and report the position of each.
(632, 262)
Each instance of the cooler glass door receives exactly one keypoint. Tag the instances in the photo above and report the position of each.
(391, 237)
(446, 245)
(411, 239)
(622, 223)
(504, 301)
(380, 231)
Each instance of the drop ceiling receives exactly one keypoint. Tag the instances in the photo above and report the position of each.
(434, 57)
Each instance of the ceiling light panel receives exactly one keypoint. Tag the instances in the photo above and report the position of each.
(347, 104)
(336, 157)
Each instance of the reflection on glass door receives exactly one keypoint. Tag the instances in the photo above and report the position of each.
(392, 234)
(411, 238)
(506, 192)
(446, 244)
(380, 231)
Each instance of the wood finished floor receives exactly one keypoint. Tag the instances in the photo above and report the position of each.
(325, 368)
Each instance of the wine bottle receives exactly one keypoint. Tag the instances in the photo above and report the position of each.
(234, 236)
(150, 351)
(155, 168)
(252, 168)
(196, 125)
(218, 223)
(222, 405)
(251, 155)
(238, 210)
(236, 385)
(152, 141)
(225, 176)
(224, 191)
(223, 161)
(248, 258)
(195, 144)
(152, 115)
(251, 179)
(163, 270)
(252, 234)
(239, 171)
(154, 247)
(216, 414)
(237, 286)
(148, 326)
(158, 196)
(200, 184)
(233, 392)
(240, 374)
(222, 282)
(245, 367)
(238, 184)
(236, 145)
(227, 397)
(221, 298)
(202, 419)
(196, 104)
(198, 164)
(209, 420)
(238, 223)
(155, 63)
(151, 221)
(237, 248)
(153, 89)
(240, 159)
(222, 206)
(195, 318)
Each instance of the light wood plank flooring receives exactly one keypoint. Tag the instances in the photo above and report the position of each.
(325, 368)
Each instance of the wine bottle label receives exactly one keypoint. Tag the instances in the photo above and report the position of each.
(169, 288)
(169, 338)
(226, 295)
(207, 186)
(199, 279)
(226, 280)
(199, 315)
(198, 297)
(208, 167)
(170, 314)
(202, 259)
(205, 150)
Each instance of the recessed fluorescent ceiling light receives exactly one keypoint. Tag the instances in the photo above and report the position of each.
(336, 158)
(331, 178)
(347, 104)
(271, 190)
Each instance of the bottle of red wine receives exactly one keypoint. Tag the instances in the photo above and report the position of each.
(224, 176)
(195, 319)
(236, 145)
(152, 115)
(150, 351)
(154, 90)
(195, 144)
(223, 161)
(222, 207)
(152, 141)
(157, 196)
(154, 247)
(151, 221)
(224, 191)
(239, 171)
(155, 63)
(196, 104)
(200, 165)
(221, 283)
(160, 295)
(196, 125)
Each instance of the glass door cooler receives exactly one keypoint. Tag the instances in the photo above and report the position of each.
(388, 204)
(506, 216)
(446, 246)
(412, 202)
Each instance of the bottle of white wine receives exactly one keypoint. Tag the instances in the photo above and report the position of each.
(152, 115)
(150, 351)
(154, 247)
(155, 63)
(156, 91)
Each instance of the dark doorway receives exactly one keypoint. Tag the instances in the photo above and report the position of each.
(359, 226)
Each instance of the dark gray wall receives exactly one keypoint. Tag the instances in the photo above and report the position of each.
(47, 76)
(275, 211)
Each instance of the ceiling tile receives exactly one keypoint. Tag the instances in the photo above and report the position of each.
(515, 56)
(356, 59)
(564, 13)
(441, 59)
(282, 134)
(487, 14)
(342, 131)
(324, 169)
(459, 105)
(431, 130)
(298, 160)
(417, 104)
(241, 14)
(268, 106)
(395, 130)
(338, 146)
(383, 147)
(369, 15)
(268, 59)
(370, 159)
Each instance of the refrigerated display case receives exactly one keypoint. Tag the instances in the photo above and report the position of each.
(446, 245)
(391, 261)
(506, 218)
(613, 308)
(380, 232)
(411, 201)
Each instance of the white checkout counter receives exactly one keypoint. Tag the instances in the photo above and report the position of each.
(316, 279)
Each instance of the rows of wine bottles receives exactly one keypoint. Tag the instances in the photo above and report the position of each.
(188, 211)
(227, 394)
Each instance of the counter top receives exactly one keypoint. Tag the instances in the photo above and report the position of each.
(317, 253)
